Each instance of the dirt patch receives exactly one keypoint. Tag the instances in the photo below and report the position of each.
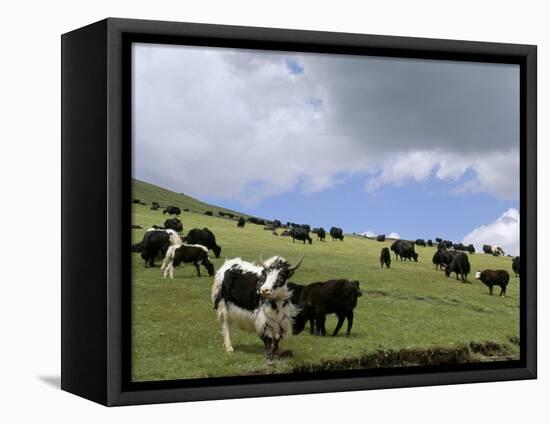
(375, 293)
(474, 352)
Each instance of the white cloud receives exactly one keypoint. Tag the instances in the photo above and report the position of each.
(239, 124)
(371, 234)
(504, 231)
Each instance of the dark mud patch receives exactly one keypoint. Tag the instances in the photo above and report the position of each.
(474, 352)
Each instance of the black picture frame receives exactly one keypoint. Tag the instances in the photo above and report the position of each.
(96, 170)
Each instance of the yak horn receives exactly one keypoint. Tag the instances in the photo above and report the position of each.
(262, 262)
(295, 267)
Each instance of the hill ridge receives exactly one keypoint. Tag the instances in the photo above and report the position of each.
(149, 192)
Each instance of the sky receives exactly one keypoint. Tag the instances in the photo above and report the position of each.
(412, 148)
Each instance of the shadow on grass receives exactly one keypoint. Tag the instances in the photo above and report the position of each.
(250, 348)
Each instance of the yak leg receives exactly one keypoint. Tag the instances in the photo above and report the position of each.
(502, 291)
(341, 318)
(224, 319)
(197, 266)
(270, 345)
(491, 290)
(350, 322)
(311, 326)
(320, 324)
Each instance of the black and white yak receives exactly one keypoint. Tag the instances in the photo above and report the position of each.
(196, 254)
(497, 250)
(255, 298)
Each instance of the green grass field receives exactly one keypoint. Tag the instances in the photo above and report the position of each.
(175, 334)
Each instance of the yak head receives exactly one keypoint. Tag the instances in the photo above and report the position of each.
(275, 273)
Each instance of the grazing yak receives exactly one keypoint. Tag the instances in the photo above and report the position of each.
(497, 250)
(336, 233)
(196, 254)
(225, 214)
(460, 265)
(381, 238)
(318, 299)
(300, 234)
(174, 224)
(255, 220)
(442, 258)
(430, 242)
(487, 249)
(438, 240)
(404, 250)
(321, 234)
(255, 298)
(154, 208)
(494, 278)
(241, 222)
(208, 213)
(205, 238)
(420, 242)
(459, 247)
(285, 233)
(385, 257)
(515, 265)
(171, 210)
(155, 244)
(277, 223)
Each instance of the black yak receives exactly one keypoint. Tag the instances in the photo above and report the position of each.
(385, 257)
(337, 233)
(460, 265)
(515, 265)
(318, 299)
(205, 238)
(494, 278)
(300, 234)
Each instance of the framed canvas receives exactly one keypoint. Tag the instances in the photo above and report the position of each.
(251, 212)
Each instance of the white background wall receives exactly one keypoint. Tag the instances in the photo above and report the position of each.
(30, 210)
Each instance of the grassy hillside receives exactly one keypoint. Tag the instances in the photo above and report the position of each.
(410, 308)
(148, 193)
